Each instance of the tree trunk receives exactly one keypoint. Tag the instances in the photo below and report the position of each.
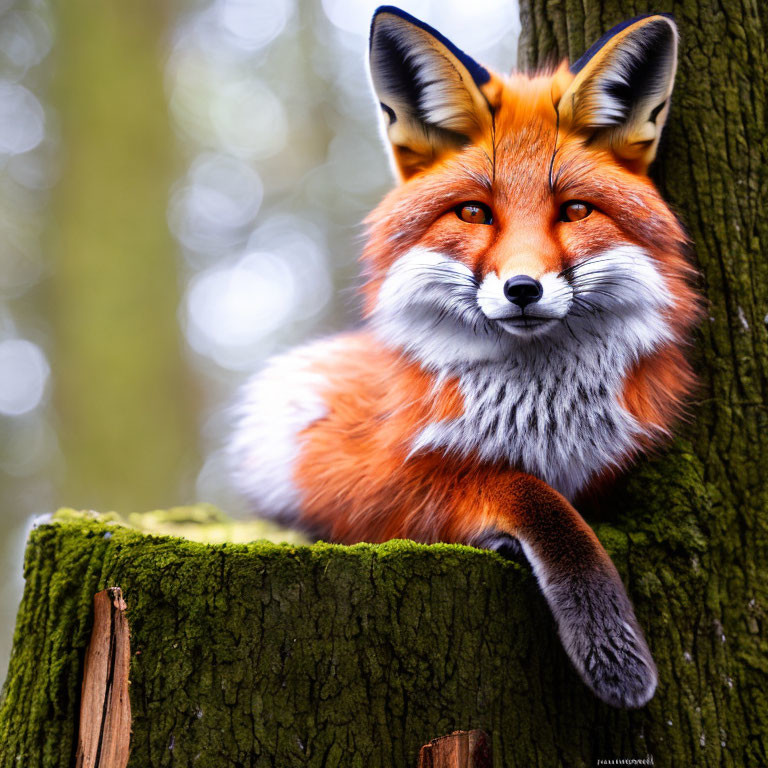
(123, 396)
(357, 656)
(696, 516)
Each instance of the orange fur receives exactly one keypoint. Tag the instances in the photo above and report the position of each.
(358, 482)
(512, 176)
(354, 472)
(375, 460)
(361, 484)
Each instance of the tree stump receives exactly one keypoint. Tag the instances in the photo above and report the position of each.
(263, 654)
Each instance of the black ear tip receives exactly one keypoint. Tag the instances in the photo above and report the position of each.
(392, 10)
(578, 65)
(389, 10)
(668, 17)
(660, 33)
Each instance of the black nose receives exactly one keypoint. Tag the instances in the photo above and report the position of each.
(523, 290)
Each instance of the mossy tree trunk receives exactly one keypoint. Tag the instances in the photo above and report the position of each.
(712, 494)
(335, 656)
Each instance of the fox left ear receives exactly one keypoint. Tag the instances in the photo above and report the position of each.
(622, 87)
(429, 91)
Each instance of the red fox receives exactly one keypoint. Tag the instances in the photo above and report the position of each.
(527, 302)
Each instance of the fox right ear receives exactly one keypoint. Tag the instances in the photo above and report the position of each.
(429, 91)
(622, 86)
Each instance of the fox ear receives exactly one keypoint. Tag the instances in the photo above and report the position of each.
(622, 87)
(429, 90)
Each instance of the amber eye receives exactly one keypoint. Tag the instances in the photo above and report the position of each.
(575, 210)
(474, 213)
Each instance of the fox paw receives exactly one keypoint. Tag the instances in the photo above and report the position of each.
(618, 667)
(596, 624)
(604, 641)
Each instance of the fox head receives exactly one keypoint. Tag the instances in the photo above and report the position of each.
(524, 219)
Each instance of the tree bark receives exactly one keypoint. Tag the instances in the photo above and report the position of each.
(277, 655)
(357, 656)
(273, 655)
(696, 515)
(105, 709)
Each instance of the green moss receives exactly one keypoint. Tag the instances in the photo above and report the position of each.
(278, 654)
(249, 649)
(206, 523)
(263, 654)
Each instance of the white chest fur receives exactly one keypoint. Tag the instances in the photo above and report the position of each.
(549, 404)
(555, 414)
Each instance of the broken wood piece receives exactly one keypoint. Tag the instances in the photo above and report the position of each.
(461, 749)
(105, 707)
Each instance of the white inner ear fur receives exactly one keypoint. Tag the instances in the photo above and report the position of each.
(446, 99)
(595, 105)
(591, 103)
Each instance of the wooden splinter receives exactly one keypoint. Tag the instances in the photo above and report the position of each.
(461, 749)
(105, 708)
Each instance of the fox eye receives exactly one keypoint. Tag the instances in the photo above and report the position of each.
(474, 213)
(575, 210)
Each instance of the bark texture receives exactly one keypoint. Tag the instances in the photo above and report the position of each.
(105, 709)
(460, 749)
(699, 511)
(277, 655)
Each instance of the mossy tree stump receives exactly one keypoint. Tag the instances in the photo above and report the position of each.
(282, 655)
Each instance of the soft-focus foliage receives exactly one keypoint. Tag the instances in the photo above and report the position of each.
(282, 159)
(27, 167)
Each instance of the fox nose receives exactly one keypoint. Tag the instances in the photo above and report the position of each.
(523, 290)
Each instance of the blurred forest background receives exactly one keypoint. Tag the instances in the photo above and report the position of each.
(181, 191)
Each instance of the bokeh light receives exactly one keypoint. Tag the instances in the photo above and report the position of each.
(273, 106)
(211, 212)
(22, 121)
(28, 442)
(251, 25)
(28, 445)
(23, 376)
(25, 38)
(232, 309)
(248, 119)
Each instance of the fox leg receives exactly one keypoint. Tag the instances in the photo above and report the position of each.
(594, 616)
